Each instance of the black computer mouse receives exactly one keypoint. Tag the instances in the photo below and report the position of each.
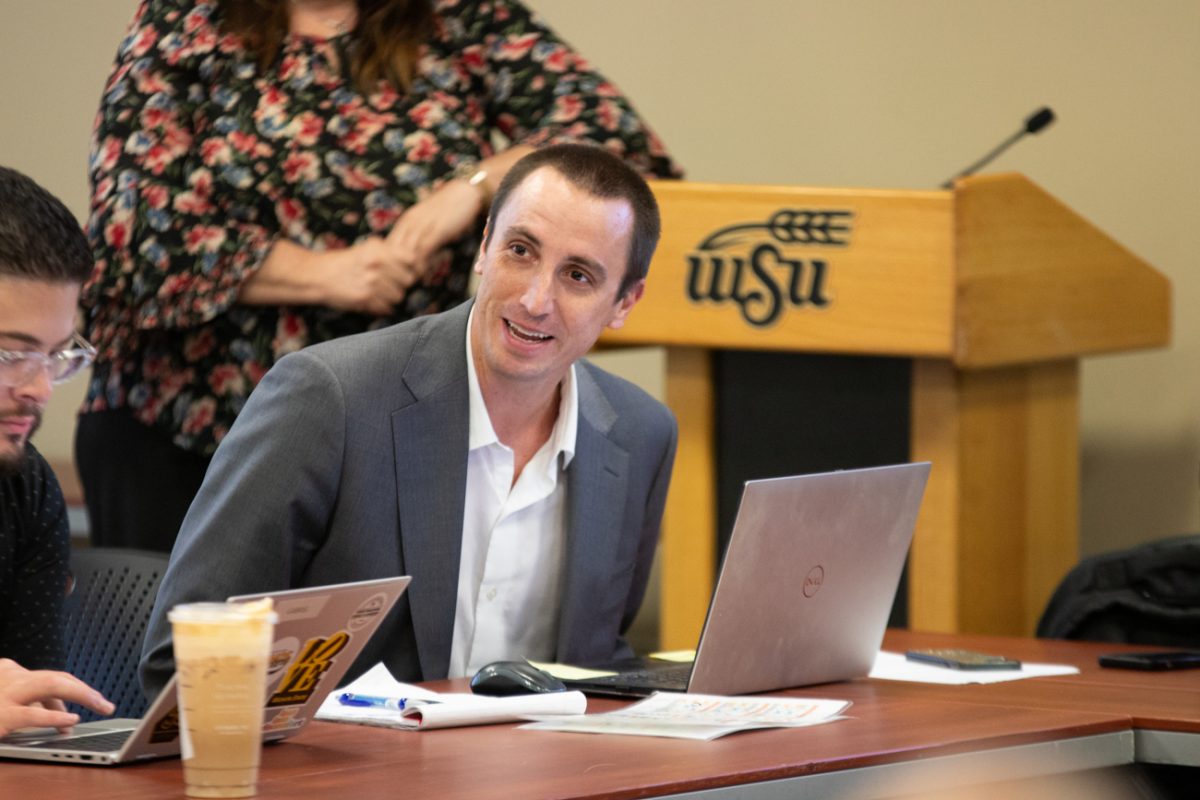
(502, 678)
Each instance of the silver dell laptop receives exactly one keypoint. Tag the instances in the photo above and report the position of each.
(319, 633)
(805, 589)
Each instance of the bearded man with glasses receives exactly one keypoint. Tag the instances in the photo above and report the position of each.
(44, 259)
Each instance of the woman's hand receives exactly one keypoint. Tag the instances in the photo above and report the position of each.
(34, 698)
(450, 212)
(366, 277)
(444, 217)
(373, 276)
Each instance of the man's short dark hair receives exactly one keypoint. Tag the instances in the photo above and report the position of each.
(601, 174)
(39, 238)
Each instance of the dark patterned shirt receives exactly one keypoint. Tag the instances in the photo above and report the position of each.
(200, 162)
(34, 549)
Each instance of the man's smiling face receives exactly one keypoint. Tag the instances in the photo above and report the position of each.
(551, 267)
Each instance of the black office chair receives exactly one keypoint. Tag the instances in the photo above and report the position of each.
(105, 620)
(1148, 594)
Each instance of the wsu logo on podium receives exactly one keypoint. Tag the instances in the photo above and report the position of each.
(760, 265)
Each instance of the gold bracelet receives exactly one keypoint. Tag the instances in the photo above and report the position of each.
(476, 177)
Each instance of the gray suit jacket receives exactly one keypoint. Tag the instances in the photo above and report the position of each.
(349, 462)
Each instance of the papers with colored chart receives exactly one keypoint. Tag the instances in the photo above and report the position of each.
(700, 716)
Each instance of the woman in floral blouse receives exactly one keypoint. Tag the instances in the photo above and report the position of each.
(267, 174)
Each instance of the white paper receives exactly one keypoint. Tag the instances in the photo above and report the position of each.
(895, 667)
(567, 672)
(700, 716)
(445, 710)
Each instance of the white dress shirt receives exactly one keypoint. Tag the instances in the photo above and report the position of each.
(513, 540)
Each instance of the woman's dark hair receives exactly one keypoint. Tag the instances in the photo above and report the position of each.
(389, 34)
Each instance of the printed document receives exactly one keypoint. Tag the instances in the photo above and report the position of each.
(700, 716)
(895, 667)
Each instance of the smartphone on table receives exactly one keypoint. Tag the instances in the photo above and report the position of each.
(962, 659)
(1162, 660)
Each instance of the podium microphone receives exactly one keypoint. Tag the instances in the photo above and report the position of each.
(1034, 124)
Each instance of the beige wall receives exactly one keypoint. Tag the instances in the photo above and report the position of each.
(890, 93)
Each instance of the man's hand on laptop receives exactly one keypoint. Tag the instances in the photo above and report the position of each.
(35, 698)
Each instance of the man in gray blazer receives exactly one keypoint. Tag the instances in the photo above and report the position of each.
(520, 486)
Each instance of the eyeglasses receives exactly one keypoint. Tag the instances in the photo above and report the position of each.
(19, 367)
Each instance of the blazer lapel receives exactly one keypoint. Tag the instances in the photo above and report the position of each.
(597, 480)
(430, 438)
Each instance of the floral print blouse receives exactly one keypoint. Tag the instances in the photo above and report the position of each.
(200, 162)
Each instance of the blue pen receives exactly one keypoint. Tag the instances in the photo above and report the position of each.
(368, 701)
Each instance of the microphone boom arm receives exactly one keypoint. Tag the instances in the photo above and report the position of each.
(1034, 124)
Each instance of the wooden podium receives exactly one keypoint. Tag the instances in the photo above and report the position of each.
(993, 290)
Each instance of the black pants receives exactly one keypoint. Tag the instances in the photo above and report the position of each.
(136, 483)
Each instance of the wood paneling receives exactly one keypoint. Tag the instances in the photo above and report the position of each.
(688, 550)
(996, 289)
(999, 525)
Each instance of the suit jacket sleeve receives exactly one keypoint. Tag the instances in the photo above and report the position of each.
(265, 504)
(656, 500)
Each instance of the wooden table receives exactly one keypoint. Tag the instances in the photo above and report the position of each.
(897, 736)
(1163, 707)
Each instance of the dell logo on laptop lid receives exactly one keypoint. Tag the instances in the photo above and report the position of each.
(813, 580)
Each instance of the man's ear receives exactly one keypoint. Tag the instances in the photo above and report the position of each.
(483, 240)
(626, 303)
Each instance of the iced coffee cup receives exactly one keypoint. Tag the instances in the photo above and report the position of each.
(221, 652)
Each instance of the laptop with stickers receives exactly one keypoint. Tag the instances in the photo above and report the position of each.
(319, 632)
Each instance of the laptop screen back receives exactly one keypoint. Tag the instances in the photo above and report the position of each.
(808, 580)
(319, 632)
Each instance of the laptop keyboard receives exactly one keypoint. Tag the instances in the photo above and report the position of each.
(99, 743)
(665, 678)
